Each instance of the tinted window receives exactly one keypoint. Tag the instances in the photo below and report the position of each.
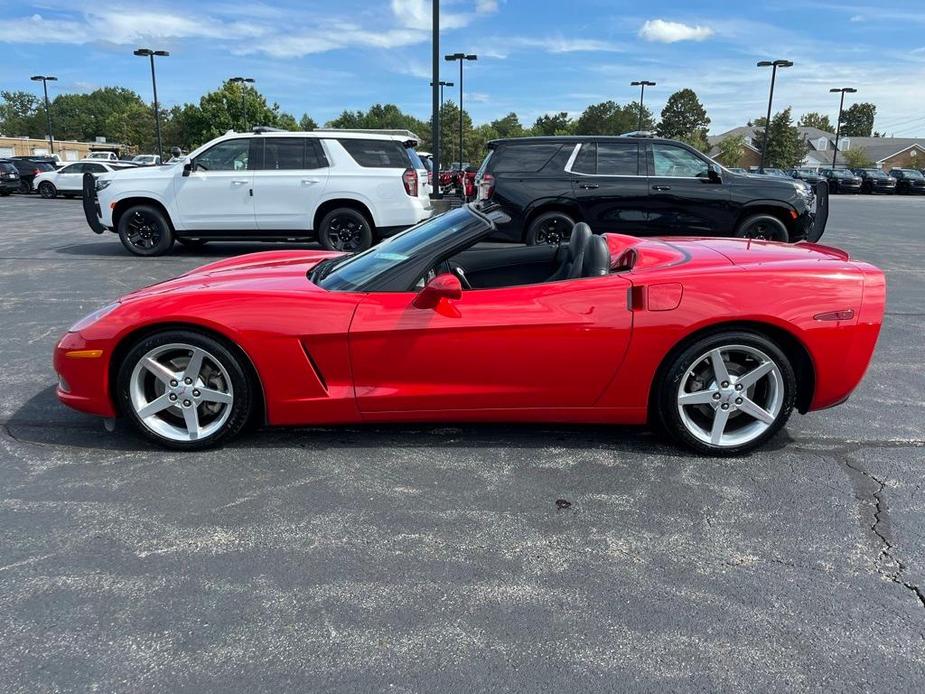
(7, 168)
(73, 169)
(677, 162)
(416, 162)
(386, 154)
(617, 158)
(586, 161)
(95, 168)
(284, 153)
(230, 155)
(523, 158)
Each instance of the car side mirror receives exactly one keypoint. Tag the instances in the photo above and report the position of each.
(444, 286)
(187, 167)
(715, 174)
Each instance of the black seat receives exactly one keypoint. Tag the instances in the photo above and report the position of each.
(596, 258)
(570, 267)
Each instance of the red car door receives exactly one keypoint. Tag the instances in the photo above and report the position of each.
(554, 345)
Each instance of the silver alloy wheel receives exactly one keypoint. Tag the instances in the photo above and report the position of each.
(181, 392)
(730, 395)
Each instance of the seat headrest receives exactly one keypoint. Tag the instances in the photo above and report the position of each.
(581, 232)
(596, 260)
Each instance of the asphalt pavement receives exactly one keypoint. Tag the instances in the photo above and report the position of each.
(453, 558)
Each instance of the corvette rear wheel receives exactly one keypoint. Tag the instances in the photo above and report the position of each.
(184, 390)
(727, 393)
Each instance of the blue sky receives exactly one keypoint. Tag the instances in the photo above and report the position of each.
(535, 56)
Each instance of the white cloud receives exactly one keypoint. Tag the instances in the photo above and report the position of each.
(416, 14)
(669, 32)
(501, 48)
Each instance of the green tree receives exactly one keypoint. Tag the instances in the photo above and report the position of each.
(19, 113)
(307, 123)
(552, 124)
(816, 120)
(785, 147)
(731, 150)
(509, 126)
(449, 136)
(858, 120)
(684, 118)
(606, 118)
(856, 159)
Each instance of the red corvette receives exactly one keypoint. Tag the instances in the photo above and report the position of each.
(715, 341)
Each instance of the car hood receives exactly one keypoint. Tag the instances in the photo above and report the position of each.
(270, 271)
(165, 171)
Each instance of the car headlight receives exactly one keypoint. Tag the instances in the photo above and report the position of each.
(91, 318)
(102, 183)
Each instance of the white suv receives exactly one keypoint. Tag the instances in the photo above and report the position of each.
(345, 189)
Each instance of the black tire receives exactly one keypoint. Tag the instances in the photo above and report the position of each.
(345, 229)
(25, 187)
(245, 390)
(192, 244)
(144, 231)
(69, 196)
(5, 194)
(550, 228)
(763, 226)
(665, 400)
(47, 190)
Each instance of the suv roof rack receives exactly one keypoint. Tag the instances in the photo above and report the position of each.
(257, 129)
(411, 140)
(639, 133)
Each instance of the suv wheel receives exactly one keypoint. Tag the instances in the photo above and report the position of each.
(764, 227)
(550, 228)
(144, 231)
(727, 393)
(25, 187)
(345, 229)
(47, 190)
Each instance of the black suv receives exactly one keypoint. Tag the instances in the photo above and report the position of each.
(28, 170)
(909, 181)
(807, 175)
(9, 177)
(875, 181)
(641, 186)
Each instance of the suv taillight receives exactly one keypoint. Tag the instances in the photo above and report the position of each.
(410, 179)
(486, 187)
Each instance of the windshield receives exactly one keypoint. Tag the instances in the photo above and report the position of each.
(353, 272)
(912, 173)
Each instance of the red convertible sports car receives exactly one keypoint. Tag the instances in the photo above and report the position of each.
(715, 341)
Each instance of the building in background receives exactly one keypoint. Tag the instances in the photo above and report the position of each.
(885, 152)
(67, 150)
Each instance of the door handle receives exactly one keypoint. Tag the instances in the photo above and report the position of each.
(661, 187)
(239, 181)
(309, 181)
(588, 186)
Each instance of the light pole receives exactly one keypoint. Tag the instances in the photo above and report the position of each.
(148, 53)
(841, 106)
(773, 64)
(243, 81)
(435, 93)
(442, 84)
(642, 84)
(460, 57)
(45, 79)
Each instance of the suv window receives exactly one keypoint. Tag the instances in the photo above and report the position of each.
(524, 158)
(608, 159)
(7, 168)
(284, 153)
(677, 162)
(416, 161)
(385, 154)
(94, 168)
(230, 155)
(72, 169)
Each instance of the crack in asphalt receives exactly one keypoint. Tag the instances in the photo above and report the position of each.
(887, 563)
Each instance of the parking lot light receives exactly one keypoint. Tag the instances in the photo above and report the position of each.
(841, 106)
(243, 81)
(148, 53)
(461, 57)
(45, 79)
(773, 64)
(642, 84)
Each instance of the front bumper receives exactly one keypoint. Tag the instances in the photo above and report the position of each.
(9, 185)
(83, 375)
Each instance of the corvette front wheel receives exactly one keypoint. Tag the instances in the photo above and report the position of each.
(727, 394)
(184, 390)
